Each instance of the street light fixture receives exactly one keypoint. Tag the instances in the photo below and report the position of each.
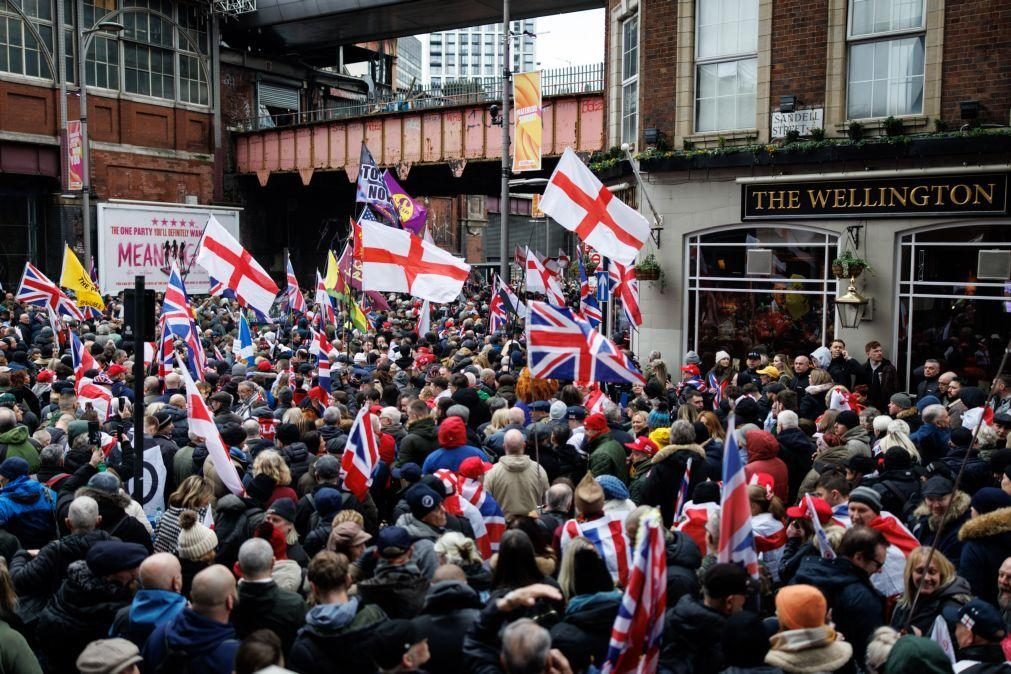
(850, 306)
(84, 38)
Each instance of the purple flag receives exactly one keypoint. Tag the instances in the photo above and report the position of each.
(412, 213)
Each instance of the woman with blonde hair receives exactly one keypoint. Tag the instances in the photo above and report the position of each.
(194, 493)
(499, 420)
(897, 435)
(271, 465)
(455, 548)
(943, 592)
(781, 362)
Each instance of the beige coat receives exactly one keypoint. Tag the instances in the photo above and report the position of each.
(518, 484)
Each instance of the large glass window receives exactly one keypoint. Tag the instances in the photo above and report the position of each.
(726, 45)
(886, 62)
(19, 49)
(788, 311)
(945, 312)
(630, 80)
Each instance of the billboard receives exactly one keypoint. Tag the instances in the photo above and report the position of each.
(75, 156)
(144, 238)
(528, 123)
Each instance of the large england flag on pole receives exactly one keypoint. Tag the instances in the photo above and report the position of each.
(394, 260)
(540, 279)
(580, 203)
(225, 259)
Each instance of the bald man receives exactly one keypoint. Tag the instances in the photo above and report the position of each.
(158, 601)
(200, 639)
(517, 482)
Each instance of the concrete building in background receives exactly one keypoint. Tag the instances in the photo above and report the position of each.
(475, 52)
(409, 60)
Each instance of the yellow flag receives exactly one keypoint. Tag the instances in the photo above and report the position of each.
(332, 275)
(74, 277)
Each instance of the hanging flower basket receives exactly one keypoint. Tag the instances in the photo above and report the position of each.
(848, 265)
(647, 274)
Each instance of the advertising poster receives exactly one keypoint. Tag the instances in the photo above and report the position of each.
(75, 156)
(528, 126)
(145, 238)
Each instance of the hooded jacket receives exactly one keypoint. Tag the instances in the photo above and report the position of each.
(80, 612)
(607, 457)
(296, 455)
(41, 575)
(858, 441)
(425, 536)
(692, 638)
(14, 442)
(234, 520)
(665, 473)
(584, 634)
(149, 609)
(925, 526)
(421, 440)
(857, 608)
(944, 602)
(336, 637)
(397, 589)
(116, 521)
(518, 484)
(205, 646)
(683, 562)
(986, 543)
(451, 607)
(763, 457)
(263, 605)
(27, 510)
(795, 450)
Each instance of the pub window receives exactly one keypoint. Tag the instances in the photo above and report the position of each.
(726, 57)
(630, 79)
(886, 61)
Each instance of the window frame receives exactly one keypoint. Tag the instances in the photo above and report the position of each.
(627, 81)
(734, 57)
(884, 36)
(41, 25)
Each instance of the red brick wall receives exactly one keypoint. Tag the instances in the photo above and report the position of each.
(658, 25)
(799, 38)
(28, 109)
(977, 50)
(238, 95)
(121, 175)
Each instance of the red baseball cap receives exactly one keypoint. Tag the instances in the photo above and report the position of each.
(644, 445)
(821, 508)
(473, 467)
(693, 369)
(595, 422)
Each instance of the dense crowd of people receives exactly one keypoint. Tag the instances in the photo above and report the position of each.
(499, 529)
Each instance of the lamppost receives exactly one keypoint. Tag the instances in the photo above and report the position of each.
(506, 159)
(84, 38)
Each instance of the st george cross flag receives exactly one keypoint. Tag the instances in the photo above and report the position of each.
(625, 287)
(563, 346)
(737, 541)
(372, 190)
(361, 454)
(36, 289)
(580, 203)
(324, 308)
(563, 258)
(587, 300)
(941, 635)
(540, 279)
(638, 627)
(394, 260)
(97, 397)
(225, 259)
(202, 425)
(296, 301)
(242, 346)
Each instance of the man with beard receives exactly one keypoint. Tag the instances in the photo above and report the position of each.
(1004, 591)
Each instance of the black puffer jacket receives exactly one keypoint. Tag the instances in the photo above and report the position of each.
(80, 612)
(180, 425)
(296, 455)
(398, 590)
(692, 639)
(683, 562)
(584, 634)
(421, 440)
(41, 576)
(451, 607)
(796, 450)
(115, 521)
(234, 521)
(665, 472)
(899, 490)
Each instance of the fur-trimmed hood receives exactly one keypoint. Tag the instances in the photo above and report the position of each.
(984, 526)
(118, 500)
(670, 450)
(959, 506)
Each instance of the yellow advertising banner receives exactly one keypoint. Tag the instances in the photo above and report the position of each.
(529, 125)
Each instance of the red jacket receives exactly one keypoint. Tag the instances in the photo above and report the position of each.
(763, 457)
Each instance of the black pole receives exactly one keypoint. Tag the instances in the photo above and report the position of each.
(138, 389)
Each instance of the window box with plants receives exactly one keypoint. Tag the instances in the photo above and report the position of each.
(849, 265)
(648, 269)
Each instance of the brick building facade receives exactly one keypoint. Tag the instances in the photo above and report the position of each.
(899, 111)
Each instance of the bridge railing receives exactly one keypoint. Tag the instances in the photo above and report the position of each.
(556, 82)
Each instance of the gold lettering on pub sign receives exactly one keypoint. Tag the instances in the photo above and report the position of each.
(942, 196)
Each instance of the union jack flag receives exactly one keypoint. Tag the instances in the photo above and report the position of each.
(497, 308)
(177, 322)
(219, 289)
(320, 346)
(737, 540)
(491, 513)
(686, 479)
(607, 533)
(462, 507)
(564, 346)
(324, 308)
(716, 387)
(361, 454)
(635, 636)
(296, 302)
(587, 301)
(625, 287)
(81, 359)
(36, 289)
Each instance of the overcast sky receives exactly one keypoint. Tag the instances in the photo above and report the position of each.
(570, 39)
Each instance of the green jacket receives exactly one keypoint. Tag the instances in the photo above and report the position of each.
(607, 457)
(15, 443)
(15, 655)
(637, 482)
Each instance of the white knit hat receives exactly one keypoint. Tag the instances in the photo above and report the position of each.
(195, 540)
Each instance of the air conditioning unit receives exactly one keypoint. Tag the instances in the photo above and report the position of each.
(759, 262)
(993, 265)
